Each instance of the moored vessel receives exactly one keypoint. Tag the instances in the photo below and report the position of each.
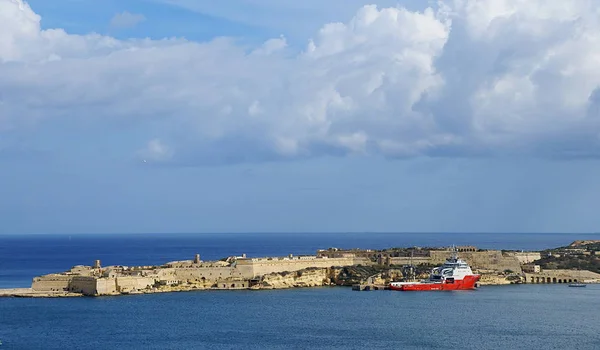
(454, 274)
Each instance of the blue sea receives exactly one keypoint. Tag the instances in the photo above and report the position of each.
(502, 317)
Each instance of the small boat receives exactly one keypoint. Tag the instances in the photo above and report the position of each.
(576, 282)
(455, 274)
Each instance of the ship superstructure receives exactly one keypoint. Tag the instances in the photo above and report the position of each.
(454, 274)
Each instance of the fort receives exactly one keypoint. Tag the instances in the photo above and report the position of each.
(331, 266)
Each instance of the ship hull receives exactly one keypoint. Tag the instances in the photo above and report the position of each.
(467, 283)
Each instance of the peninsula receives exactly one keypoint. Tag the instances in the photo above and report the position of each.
(578, 262)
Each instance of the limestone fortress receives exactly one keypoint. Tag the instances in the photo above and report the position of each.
(327, 267)
(232, 273)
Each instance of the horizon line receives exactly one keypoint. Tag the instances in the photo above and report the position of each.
(293, 232)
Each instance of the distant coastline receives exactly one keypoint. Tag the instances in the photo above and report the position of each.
(328, 267)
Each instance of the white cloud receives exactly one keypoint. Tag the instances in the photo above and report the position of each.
(126, 20)
(466, 78)
(156, 151)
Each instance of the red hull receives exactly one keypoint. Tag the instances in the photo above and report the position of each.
(467, 283)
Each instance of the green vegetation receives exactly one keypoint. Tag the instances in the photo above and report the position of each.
(571, 262)
(350, 275)
(593, 246)
(580, 257)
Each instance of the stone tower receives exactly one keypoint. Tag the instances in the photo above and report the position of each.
(97, 264)
(197, 259)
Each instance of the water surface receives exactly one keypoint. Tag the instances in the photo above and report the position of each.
(502, 317)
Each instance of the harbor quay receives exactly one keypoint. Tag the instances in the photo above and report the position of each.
(364, 269)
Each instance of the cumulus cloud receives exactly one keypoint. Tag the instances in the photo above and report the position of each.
(126, 20)
(467, 78)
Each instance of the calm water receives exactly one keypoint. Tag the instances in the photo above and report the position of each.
(507, 317)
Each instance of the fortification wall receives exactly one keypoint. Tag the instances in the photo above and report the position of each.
(263, 266)
(51, 283)
(525, 257)
(489, 260)
(422, 260)
(192, 264)
(106, 286)
(83, 284)
(82, 270)
(129, 283)
(204, 274)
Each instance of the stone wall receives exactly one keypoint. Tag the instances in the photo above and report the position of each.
(525, 257)
(83, 284)
(204, 274)
(491, 259)
(241, 284)
(91, 285)
(264, 266)
(407, 260)
(562, 276)
(132, 283)
(106, 286)
(51, 283)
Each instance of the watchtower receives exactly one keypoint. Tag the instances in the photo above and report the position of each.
(197, 259)
(97, 264)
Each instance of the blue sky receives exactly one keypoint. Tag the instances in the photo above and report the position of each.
(161, 20)
(247, 116)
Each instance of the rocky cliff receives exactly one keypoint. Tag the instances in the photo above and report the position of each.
(335, 276)
(490, 279)
(311, 277)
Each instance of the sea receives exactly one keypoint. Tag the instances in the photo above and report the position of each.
(492, 317)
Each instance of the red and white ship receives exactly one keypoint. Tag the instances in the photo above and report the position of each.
(455, 274)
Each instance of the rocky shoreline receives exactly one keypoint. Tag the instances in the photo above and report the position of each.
(306, 278)
(331, 267)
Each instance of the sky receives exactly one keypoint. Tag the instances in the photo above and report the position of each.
(121, 116)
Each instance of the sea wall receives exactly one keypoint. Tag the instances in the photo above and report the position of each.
(86, 285)
(239, 284)
(52, 282)
(562, 276)
(106, 286)
(126, 284)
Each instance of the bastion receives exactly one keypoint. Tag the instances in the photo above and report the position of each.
(231, 273)
(328, 267)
